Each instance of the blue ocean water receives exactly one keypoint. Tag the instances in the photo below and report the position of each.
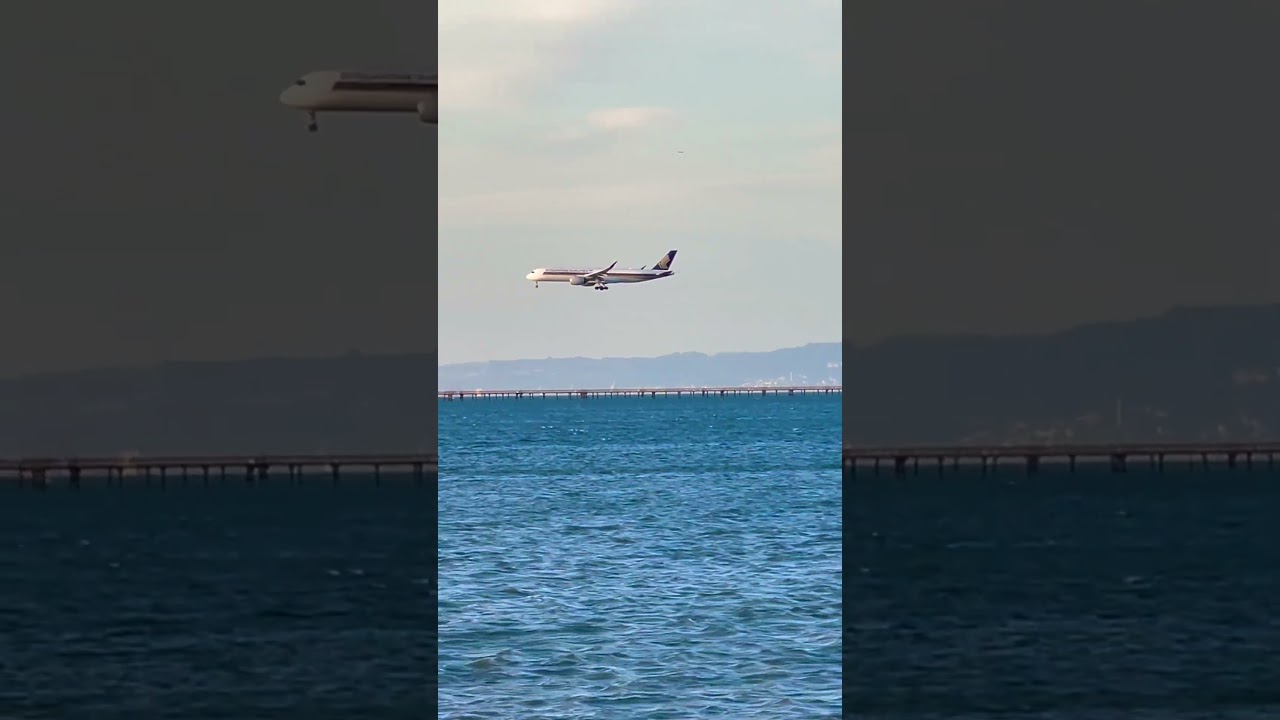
(228, 601)
(640, 558)
(1097, 595)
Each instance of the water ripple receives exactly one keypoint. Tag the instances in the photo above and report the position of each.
(679, 561)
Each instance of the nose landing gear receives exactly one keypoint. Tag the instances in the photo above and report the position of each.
(312, 125)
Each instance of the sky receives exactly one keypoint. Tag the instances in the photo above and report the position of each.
(160, 204)
(582, 132)
(1029, 166)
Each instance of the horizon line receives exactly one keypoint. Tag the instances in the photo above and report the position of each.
(642, 357)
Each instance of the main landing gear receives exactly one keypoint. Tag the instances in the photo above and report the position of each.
(312, 125)
(602, 287)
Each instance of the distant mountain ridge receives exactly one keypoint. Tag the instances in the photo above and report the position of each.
(812, 364)
(1188, 374)
(349, 404)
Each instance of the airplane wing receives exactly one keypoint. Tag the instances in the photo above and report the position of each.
(597, 273)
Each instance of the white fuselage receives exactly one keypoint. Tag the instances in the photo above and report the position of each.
(613, 277)
(337, 91)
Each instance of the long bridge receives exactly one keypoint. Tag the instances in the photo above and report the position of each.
(1118, 455)
(643, 392)
(41, 471)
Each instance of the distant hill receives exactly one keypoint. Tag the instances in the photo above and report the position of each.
(1191, 373)
(813, 364)
(347, 404)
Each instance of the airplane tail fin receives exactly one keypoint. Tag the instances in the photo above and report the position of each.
(665, 262)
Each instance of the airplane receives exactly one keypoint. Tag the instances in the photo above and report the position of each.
(602, 279)
(348, 91)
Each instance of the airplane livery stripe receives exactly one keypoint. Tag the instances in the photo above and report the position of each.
(615, 273)
(384, 85)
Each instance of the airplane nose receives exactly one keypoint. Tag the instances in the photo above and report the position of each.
(289, 97)
(529, 276)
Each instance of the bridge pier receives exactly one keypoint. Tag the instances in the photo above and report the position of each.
(988, 458)
(77, 471)
(1119, 463)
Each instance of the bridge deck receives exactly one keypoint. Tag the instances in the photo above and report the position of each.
(254, 467)
(1117, 454)
(643, 392)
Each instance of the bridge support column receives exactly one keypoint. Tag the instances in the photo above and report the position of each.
(900, 466)
(1231, 461)
(1033, 464)
(1119, 463)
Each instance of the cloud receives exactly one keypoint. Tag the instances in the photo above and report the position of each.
(459, 14)
(628, 117)
(614, 122)
(686, 135)
(496, 54)
(791, 184)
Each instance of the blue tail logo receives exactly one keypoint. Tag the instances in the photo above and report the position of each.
(665, 262)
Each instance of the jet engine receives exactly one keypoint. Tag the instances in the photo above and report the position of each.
(577, 280)
(427, 111)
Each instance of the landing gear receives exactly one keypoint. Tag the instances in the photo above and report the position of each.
(312, 125)
(602, 287)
